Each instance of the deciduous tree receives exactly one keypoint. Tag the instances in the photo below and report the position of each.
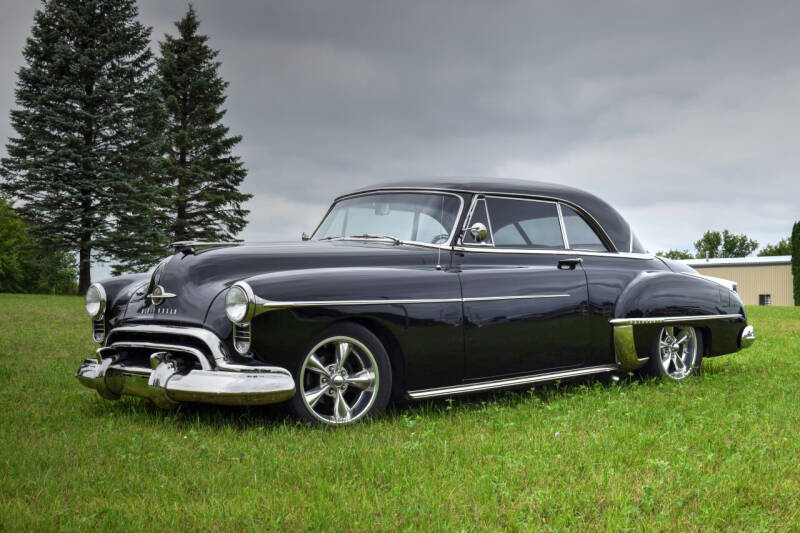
(725, 244)
(676, 254)
(783, 247)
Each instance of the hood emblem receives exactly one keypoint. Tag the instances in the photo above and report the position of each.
(158, 295)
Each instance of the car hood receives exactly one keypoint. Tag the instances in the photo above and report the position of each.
(198, 279)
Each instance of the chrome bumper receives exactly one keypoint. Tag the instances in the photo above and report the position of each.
(747, 337)
(166, 383)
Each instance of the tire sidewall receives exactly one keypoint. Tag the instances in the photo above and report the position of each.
(384, 368)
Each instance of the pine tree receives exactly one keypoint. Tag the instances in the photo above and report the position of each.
(796, 262)
(200, 168)
(81, 160)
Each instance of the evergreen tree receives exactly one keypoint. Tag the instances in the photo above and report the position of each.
(203, 174)
(83, 150)
(796, 262)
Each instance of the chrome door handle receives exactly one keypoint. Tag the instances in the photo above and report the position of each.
(569, 263)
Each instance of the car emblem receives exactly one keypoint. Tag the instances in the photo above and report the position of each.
(158, 295)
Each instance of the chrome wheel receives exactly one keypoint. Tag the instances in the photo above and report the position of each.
(677, 350)
(339, 380)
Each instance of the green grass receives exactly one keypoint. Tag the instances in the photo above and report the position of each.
(720, 451)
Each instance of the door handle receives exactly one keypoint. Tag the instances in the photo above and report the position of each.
(569, 263)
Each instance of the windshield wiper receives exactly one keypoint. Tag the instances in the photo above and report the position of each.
(394, 240)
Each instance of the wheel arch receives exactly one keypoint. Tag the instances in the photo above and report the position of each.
(392, 346)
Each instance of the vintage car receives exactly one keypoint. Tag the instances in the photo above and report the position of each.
(409, 290)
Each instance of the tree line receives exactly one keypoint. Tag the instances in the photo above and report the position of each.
(715, 244)
(117, 151)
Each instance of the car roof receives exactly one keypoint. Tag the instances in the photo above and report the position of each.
(609, 220)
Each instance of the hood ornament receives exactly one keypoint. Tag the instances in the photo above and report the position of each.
(158, 295)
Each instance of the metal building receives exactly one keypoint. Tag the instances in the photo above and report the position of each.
(762, 280)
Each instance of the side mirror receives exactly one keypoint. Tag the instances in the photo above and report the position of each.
(478, 232)
(305, 236)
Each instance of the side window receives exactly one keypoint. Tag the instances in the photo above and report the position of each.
(479, 215)
(525, 223)
(580, 235)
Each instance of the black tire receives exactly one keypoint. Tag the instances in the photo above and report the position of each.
(678, 359)
(331, 394)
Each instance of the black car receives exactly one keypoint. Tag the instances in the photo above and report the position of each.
(409, 290)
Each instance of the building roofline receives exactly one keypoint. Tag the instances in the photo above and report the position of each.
(739, 261)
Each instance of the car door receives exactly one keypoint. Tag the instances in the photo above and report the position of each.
(525, 294)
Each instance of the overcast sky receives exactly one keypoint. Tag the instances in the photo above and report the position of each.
(683, 115)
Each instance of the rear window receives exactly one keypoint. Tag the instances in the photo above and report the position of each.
(580, 234)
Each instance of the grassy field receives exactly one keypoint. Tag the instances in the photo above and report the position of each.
(720, 451)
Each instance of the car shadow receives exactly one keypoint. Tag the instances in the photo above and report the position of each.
(245, 418)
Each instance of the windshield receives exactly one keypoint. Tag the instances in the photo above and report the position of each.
(419, 217)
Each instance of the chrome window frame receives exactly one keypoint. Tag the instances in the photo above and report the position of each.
(613, 251)
(453, 233)
(593, 221)
(604, 239)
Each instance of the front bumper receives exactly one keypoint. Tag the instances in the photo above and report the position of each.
(169, 380)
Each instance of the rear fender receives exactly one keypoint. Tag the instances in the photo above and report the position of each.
(654, 299)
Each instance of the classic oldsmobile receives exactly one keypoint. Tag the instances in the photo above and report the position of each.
(409, 290)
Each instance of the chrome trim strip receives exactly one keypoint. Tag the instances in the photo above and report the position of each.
(618, 255)
(409, 190)
(563, 227)
(670, 319)
(270, 305)
(508, 382)
(522, 297)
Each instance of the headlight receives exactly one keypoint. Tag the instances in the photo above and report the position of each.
(96, 301)
(240, 303)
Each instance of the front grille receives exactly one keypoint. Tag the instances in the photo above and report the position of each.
(241, 338)
(161, 338)
(137, 345)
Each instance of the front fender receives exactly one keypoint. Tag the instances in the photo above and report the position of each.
(416, 310)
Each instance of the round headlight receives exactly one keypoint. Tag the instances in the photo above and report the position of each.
(96, 301)
(239, 303)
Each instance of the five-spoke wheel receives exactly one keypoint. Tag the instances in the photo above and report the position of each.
(344, 377)
(677, 352)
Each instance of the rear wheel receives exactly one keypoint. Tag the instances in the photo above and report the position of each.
(344, 376)
(677, 353)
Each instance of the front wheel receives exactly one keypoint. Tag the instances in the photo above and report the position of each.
(677, 353)
(344, 376)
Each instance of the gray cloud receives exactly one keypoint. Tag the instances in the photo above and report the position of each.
(681, 114)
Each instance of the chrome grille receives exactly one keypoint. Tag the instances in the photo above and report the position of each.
(241, 338)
